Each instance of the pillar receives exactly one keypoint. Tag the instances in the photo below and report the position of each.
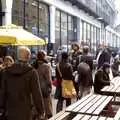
(52, 24)
(7, 8)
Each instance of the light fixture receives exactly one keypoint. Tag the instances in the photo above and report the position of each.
(99, 18)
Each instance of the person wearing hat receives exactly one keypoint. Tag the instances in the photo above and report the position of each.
(102, 78)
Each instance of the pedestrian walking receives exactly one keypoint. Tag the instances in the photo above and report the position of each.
(64, 71)
(102, 77)
(103, 56)
(86, 57)
(8, 61)
(45, 79)
(85, 79)
(20, 82)
(85, 68)
(74, 60)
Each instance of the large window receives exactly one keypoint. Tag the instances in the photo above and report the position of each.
(85, 33)
(70, 28)
(1, 13)
(64, 29)
(33, 15)
(98, 37)
(57, 29)
(90, 35)
(82, 31)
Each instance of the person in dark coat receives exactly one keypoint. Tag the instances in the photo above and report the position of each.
(105, 56)
(20, 89)
(84, 79)
(66, 70)
(102, 78)
(115, 67)
(44, 72)
(74, 60)
(87, 57)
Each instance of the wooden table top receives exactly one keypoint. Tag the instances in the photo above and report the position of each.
(90, 105)
(112, 89)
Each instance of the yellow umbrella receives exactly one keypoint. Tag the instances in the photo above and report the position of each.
(15, 35)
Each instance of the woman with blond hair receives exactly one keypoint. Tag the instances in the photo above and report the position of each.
(7, 62)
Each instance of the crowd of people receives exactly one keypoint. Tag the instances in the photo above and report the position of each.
(25, 89)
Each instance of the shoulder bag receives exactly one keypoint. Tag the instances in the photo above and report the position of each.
(68, 89)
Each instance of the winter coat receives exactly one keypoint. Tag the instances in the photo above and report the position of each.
(20, 82)
(44, 72)
(75, 60)
(85, 75)
(104, 57)
(115, 68)
(66, 71)
(87, 58)
(101, 80)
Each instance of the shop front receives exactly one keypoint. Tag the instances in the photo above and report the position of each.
(33, 16)
(65, 30)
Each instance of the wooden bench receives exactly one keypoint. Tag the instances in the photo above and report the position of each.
(112, 90)
(88, 117)
(61, 116)
(90, 105)
(75, 116)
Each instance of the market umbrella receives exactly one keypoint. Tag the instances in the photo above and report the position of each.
(16, 35)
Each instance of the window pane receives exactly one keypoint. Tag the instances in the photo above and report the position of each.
(70, 29)
(31, 16)
(92, 38)
(64, 28)
(57, 30)
(88, 34)
(85, 32)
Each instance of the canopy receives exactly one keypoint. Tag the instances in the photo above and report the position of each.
(15, 35)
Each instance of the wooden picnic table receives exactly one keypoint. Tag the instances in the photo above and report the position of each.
(112, 90)
(90, 105)
(88, 117)
(116, 80)
(68, 116)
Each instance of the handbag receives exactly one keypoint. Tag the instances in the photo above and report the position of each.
(68, 89)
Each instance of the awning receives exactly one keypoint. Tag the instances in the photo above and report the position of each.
(15, 35)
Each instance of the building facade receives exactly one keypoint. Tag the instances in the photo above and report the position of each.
(62, 22)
